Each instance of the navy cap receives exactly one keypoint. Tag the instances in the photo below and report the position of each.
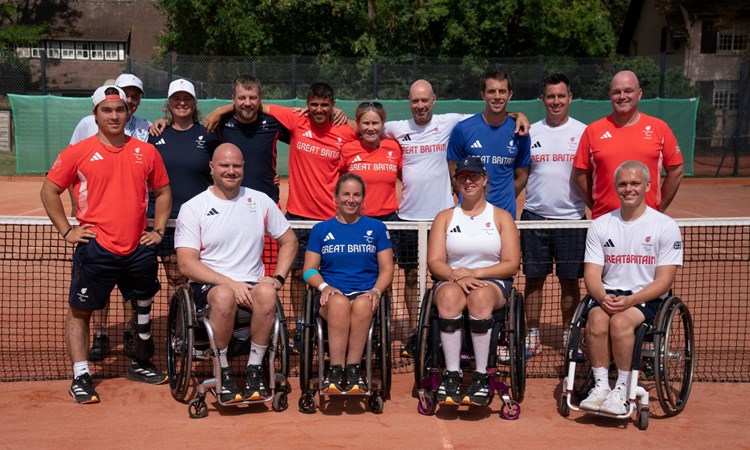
(470, 164)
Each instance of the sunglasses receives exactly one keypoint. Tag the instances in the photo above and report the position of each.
(474, 177)
(375, 105)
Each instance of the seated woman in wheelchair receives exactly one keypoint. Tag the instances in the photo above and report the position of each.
(632, 255)
(349, 259)
(474, 252)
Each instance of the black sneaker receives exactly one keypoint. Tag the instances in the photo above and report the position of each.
(82, 390)
(354, 383)
(230, 393)
(128, 346)
(409, 349)
(333, 381)
(254, 387)
(144, 371)
(100, 347)
(448, 391)
(478, 393)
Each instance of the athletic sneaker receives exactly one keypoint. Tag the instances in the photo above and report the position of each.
(595, 399)
(143, 370)
(254, 387)
(354, 381)
(478, 393)
(448, 391)
(82, 390)
(334, 380)
(409, 349)
(230, 393)
(533, 345)
(503, 354)
(616, 402)
(128, 345)
(100, 347)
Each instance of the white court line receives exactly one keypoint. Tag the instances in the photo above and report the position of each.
(444, 435)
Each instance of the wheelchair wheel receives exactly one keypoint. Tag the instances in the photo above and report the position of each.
(197, 408)
(424, 351)
(280, 401)
(642, 420)
(675, 356)
(516, 332)
(180, 343)
(385, 345)
(307, 355)
(584, 377)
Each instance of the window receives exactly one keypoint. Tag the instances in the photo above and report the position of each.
(53, 50)
(111, 52)
(68, 50)
(23, 51)
(82, 50)
(726, 95)
(97, 51)
(733, 39)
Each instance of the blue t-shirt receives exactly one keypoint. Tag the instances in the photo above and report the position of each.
(501, 151)
(348, 252)
(186, 155)
(257, 141)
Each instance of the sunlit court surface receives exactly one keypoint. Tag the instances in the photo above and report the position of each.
(40, 414)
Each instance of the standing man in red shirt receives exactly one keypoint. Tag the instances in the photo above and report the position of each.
(624, 135)
(110, 174)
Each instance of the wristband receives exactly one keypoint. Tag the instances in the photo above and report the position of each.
(158, 231)
(377, 292)
(280, 279)
(322, 286)
(67, 232)
(309, 273)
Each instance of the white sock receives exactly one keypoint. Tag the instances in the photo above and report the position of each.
(451, 342)
(144, 318)
(601, 375)
(80, 368)
(623, 378)
(481, 344)
(223, 361)
(256, 354)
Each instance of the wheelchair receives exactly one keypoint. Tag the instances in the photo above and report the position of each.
(509, 329)
(314, 362)
(663, 351)
(190, 338)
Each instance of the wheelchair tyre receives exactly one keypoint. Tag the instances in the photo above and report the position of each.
(385, 345)
(562, 406)
(428, 406)
(424, 351)
(584, 377)
(510, 410)
(197, 408)
(516, 346)
(375, 403)
(675, 356)
(306, 403)
(642, 421)
(307, 355)
(180, 339)
(280, 402)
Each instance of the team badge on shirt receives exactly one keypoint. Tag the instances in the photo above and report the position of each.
(648, 133)
(252, 206)
(138, 156)
(368, 237)
(647, 244)
(512, 147)
(488, 229)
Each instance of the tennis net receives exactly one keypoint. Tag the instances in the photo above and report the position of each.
(36, 266)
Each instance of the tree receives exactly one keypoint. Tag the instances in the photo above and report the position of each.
(12, 29)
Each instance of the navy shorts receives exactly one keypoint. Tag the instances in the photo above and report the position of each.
(316, 299)
(200, 293)
(96, 271)
(648, 309)
(395, 234)
(540, 247)
(303, 234)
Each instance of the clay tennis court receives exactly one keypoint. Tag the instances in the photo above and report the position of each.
(42, 415)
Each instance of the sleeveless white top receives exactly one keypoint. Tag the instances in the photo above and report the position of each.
(472, 243)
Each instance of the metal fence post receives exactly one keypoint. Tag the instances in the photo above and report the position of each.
(375, 79)
(128, 65)
(169, 67)
(741, 106)
(43, 71)
(662, 73)
(540, 61)
(293, 94)
(414, 68)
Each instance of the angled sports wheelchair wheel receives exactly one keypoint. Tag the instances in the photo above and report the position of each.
(574, 353)
(675, 355)
(384, 341)
(422, 360)
(280, 354)
(516, 332)
(307, 355)
(180, 337)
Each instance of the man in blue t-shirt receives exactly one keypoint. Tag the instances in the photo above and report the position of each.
(490, 136)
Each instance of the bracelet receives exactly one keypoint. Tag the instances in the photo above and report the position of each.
(377, 292)
(67, 232)
(280, 279)
(158, 231)
(309, 273)
(322, 286)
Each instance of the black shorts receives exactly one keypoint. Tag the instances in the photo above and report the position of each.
(316, 299)
(96, 271)
(166, 246)
(394, 234)
(408, 248)
(200, 293)
(648, 309)
(540, 247)
(303, 234)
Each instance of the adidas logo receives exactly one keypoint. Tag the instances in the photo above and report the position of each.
(162, 142)
(606, 135)
(212, 212)
(329, 237)
(609, 244)
(476, 144)
(457, 229)
(357, 159)
(406, 138)
(537, 144)
(308, 134)
(96, 157)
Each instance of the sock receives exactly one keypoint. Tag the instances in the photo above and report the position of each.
(534, 332)
(144, 318)
(80, 368)
(623, 377)
(601, 375)
(481, 344)
(451, 342)
(256, 354)
(223, 361)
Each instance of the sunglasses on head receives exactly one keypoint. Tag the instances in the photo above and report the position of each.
(376, 105)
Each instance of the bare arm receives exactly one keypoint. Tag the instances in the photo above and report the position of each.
(522, 176)
(671, 184)
(162, 208)
(287, 252)
(214, 117)
(188, 261)
(583, 181)
(522, 123)
(592, 278)
(50, 195)
(437, 255)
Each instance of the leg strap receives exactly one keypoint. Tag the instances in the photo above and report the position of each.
(450, 325)
(481, 325)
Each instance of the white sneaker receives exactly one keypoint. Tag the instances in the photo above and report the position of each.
(596, 397)
(616, 402)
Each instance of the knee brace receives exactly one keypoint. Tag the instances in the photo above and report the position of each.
(481, 326)
(144, 348)
(450, 325)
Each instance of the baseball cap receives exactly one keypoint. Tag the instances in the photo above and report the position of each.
(181, 86)
(470, 164)
(99, 95)
(127, 79)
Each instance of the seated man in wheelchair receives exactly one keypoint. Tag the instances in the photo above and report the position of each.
(474, 252)
(632, 255)
(349, 259)
(219, 242)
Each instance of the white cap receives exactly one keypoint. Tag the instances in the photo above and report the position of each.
(181, 86)
(99, 95)
(127, 79)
